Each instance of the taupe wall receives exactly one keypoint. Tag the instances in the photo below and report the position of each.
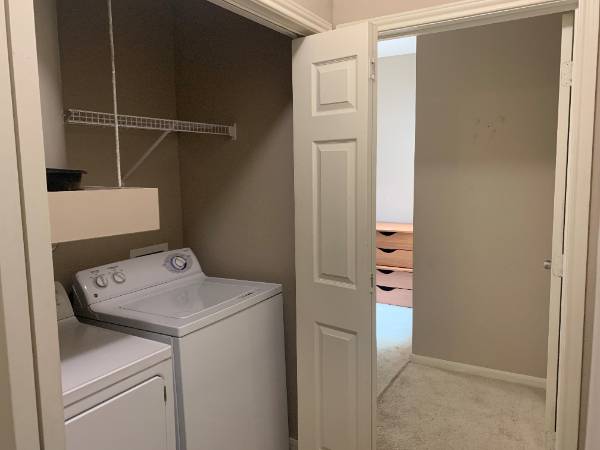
(323, 8)
(486, 120)
(352, 10)
(146, 82)
(237, 197)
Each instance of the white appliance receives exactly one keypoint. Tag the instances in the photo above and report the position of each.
(117, 388)
(227, 339)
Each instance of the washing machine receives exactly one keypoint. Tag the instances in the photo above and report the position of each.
(117, 388)
(227, 340)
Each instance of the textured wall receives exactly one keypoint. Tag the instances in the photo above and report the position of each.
(487, 101)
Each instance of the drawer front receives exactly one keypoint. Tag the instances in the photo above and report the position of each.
(399, 240)
(394, 258)
(394, 279)
(398, 297)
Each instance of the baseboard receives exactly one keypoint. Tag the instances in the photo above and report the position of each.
(293, 444)
(452, 366)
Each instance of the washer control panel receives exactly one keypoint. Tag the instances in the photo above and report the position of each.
(131, 275)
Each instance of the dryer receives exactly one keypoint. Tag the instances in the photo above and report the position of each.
(227, 339)
(117, 388)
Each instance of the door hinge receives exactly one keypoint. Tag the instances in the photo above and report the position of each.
(372, 281)
(372, 73)
(557, 266)
(566, 73)
(165, 393)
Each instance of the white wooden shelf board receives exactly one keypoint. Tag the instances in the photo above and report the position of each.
(99, 212)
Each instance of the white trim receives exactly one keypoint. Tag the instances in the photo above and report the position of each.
(284, 16)
(18, 409)
(592, 436)
(583, 104)
(36, 226)
(558, 229)
(293, 444)
(511, 377)
(464, 14)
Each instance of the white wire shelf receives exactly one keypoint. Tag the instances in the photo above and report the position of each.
(102, 119)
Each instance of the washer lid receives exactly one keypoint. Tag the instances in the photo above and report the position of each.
(187, 301)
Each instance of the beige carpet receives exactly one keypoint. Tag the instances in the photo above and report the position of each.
(428, 408)
(390, 361)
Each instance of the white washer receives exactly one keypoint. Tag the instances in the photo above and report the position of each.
(227, 339)
(117, 388)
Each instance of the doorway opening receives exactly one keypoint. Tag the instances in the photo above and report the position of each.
(470, 164)
(394, 210)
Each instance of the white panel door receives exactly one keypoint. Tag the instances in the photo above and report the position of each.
(133, 420)
(334, 161)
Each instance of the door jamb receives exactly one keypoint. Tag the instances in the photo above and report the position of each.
(584, 81)
(39, 273)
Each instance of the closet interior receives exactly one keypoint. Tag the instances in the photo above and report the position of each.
(180, 114)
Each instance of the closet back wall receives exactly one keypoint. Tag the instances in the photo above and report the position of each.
(237, 196)
(146, 83)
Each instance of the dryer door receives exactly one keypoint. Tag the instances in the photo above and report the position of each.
(133, 420)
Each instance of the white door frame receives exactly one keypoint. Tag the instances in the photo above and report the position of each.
(18, 410)
(284, 16)
(40, 322)
(585, 53)
(558, 227)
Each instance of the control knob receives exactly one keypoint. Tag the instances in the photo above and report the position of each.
(101, 281)
(179, 263)
(119, 277)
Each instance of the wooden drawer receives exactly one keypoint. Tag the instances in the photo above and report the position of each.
(394, 240)
(394, 258)
(394, 296)
(394, 278)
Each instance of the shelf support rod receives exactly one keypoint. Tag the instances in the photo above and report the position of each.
(145, 156)
(114, 91)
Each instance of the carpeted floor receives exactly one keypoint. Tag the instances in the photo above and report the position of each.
(429, 408)
(394, 333)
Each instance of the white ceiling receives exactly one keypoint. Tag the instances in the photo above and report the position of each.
(397, 47)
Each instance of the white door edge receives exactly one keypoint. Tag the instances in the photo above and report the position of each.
(558, 238)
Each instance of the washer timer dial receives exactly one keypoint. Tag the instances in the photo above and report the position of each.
(178, 263)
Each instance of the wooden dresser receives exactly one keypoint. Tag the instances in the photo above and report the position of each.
(394, 261)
